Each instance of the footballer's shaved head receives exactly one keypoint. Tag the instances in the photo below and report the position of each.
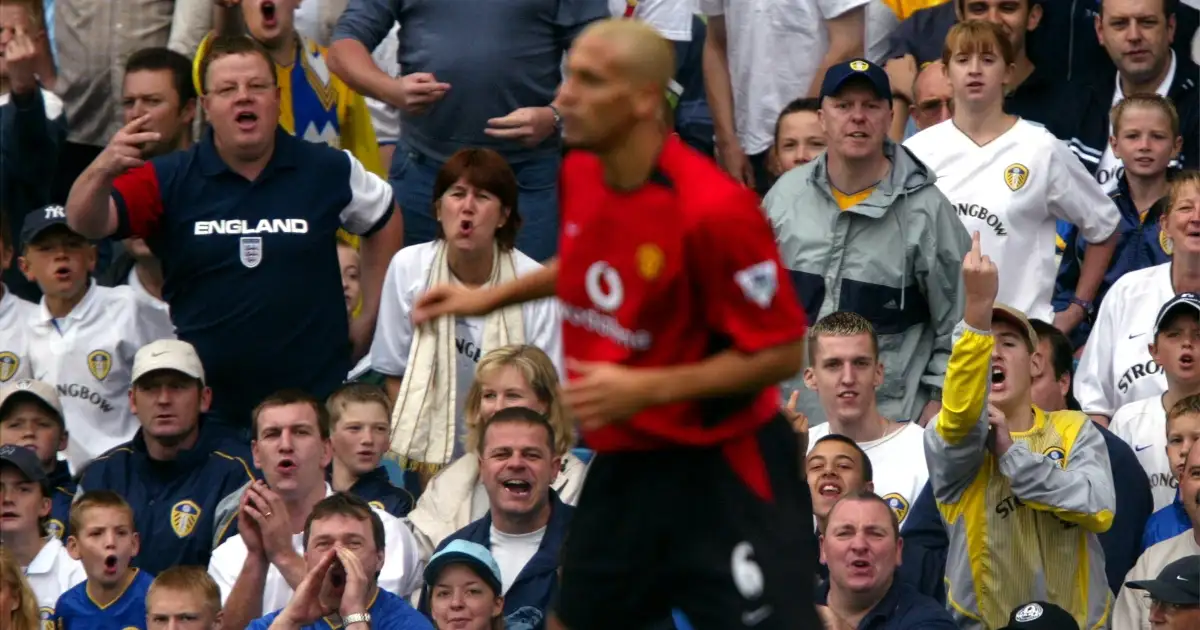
(616, 79)
(639, 51)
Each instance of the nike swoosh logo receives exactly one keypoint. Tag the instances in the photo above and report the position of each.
(1181, 578)
(158, 354)
(757, 616)
(1142, 448)
(1136, 336)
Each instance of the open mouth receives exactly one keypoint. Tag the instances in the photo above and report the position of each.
(1187, 361)
(518, 487)
(861, 565)
(997, 376)
(337, 577)
(110, 563)
(829, 489)
(846, 395)
(974, 84)
(268, 13)
(286, 466)
(62, 273)
(246, 120)
(466, 225)
(858, 135)
(9, 514)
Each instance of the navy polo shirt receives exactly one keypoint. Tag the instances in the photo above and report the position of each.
(902, 608)
(250, 267)
(174, 502)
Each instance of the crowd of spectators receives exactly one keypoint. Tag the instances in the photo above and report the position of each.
(216, 217)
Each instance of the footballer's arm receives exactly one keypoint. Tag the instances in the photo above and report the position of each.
(724, 374)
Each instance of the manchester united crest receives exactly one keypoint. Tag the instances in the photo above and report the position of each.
(9, 364)
(650, 261)
(184, 516)
(1015, 175)
(99, 364)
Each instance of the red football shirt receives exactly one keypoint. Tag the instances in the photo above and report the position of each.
(674, 272)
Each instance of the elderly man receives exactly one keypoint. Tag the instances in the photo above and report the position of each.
(933, 97)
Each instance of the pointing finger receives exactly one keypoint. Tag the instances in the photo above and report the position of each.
(792, 400)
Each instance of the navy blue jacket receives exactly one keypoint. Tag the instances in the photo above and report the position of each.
(32, 131)
(174, 502)
(1166, 523)
(528, 599)
(1141, 245)
(925, 541)
(62, 493)
(902, 608)
(376, 488)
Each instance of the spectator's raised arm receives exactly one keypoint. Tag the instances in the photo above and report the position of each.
(98, 206)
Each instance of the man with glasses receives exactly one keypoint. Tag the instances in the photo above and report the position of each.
(1173, 597)
(932, 96)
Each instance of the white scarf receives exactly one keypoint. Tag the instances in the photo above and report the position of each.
(423, 420)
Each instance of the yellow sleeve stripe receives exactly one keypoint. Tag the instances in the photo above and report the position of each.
(968, 377)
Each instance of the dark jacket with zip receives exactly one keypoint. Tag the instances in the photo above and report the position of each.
(527, 602)
(1090, 137)
(1142, 244)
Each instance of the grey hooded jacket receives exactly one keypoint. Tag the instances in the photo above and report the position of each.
(895, 259)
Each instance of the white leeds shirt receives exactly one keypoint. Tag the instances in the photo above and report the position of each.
(401, 573)
(88, 357)
(1143, 426)
(52, 573)
(898, 464)
(774, 48)
(15, 314)
(1116, 368)
(1011, 190)
(672, 18)
(407, 278)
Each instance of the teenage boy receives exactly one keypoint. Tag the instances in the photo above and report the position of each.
(1142, 423)
(104, 540)
(25, 505)
(84, 336)
(360, 433)
(31, 416)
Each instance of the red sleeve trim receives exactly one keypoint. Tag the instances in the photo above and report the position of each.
(139, 202)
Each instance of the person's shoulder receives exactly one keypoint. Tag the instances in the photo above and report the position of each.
(921, 608)
(115, 458)
(929, 135)
(72, 600)
(1068, 422)
(229, 458)
(264, 622)
(1136, 282)
(395, 611)
(412, 261)
(1136, 410)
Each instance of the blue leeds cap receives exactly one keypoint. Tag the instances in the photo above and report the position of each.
(474, 555)
(837, 76)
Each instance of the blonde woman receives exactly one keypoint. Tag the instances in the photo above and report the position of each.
(18, 607)
(510, 376)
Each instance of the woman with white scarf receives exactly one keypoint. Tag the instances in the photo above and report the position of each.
(429, 369)
(512, 376)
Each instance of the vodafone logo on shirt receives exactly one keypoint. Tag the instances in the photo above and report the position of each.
(606, 291)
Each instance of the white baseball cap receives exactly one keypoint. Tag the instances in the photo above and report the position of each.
(167, 354)
(29, 388)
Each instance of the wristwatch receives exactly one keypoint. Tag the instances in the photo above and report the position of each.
(1089, 308)
(356, 618)
(557, 116)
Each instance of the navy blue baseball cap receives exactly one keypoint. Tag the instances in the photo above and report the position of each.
(26, 462)
(837, 76)
(1178, 583)
(473, 555)
(39, 221)
(1183, 301)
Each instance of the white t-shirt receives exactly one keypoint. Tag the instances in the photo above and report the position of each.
(513, 551)
(672, 18)
(1011, 190)
(401, 573)
(407, 277)
(898, 464)
(88, 356)
(1116, 368)
(15, 314)
(1109, 170)
(52, 573)
(774, 48)
(1143, 426)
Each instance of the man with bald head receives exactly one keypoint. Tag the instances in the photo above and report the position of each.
(933, 98)
(672, 294)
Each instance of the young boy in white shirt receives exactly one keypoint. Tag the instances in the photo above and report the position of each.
(83, 337)
(25, 503)
(1143, 423)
